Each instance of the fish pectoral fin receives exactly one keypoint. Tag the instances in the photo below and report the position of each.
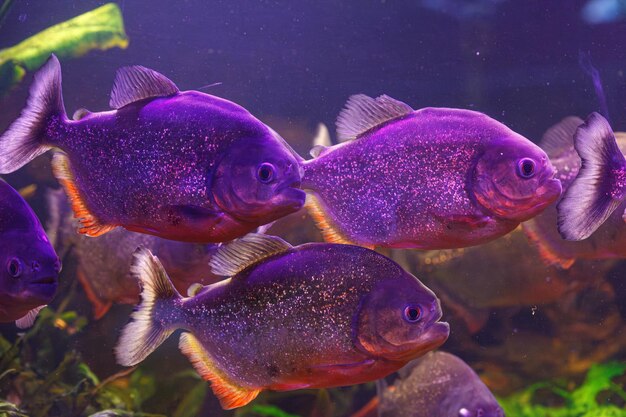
(138, 83)
(177, 214)
(463, 221)
(90, 224)
(100, 307)
(329, 232)
(28, 320)
(228, 393)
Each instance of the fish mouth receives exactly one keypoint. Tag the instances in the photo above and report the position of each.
(47, 280)
(551, 190)
(435, 336)
(293, 196)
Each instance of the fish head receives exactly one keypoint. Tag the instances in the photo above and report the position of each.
(29, 267)
(514, 179)
(399, 320)
(258, 182)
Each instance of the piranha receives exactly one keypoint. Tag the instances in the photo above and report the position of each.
(600, 186)
(608, 241)
(434, 178)
(472, 284)
(29, 267)
(184, 165)
(438, 384)
(103, 264)
(311, 316)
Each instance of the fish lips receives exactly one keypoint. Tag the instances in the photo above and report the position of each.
(291, 196)
(42, 288)
(431, 339)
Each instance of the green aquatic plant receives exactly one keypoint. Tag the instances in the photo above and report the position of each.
(41, 374)
(98, 29)
(600, 395)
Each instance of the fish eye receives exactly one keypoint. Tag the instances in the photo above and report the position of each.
(464, 412)
(14, 267)
(526, 168)
(265, 173)
(413, 314)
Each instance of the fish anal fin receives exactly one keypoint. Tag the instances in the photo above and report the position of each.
(228, 393)
(137, 83)
(90, 225)
(327, 229)
(100, 307)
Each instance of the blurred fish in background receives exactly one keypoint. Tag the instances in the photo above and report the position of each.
(104, 262)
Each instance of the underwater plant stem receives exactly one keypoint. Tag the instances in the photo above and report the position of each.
(112, 378)
(4, 10)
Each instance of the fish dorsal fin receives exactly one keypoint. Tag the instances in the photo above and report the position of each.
(229, 393)
(236, 256)
(137, 83)
(363, 113)
(321, 141)
(559, 138)
(28, 320)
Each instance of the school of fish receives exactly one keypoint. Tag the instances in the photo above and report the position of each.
(191, 176)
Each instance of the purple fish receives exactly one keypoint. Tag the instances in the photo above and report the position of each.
(609, 241)
(179, 165)
(311, 316)
(600, 186)
(434, 178)
(29, 267)
(439, 385)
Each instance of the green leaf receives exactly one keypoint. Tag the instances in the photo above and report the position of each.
(88, 373)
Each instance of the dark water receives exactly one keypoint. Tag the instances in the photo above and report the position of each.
(294, 64)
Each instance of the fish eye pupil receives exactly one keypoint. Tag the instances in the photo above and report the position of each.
(265, 172)
(412, 314)
(14, 267)
(526, 168)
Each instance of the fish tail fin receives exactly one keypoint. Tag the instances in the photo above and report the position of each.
(600, 185)
(155, 317)
(27, 138)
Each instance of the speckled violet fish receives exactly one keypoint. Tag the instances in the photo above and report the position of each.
(599, 187)
(434, 178)
(179, 165)
(311, 316)
(103, 264)
(608, 241)
(29, 267)
(438, 385)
